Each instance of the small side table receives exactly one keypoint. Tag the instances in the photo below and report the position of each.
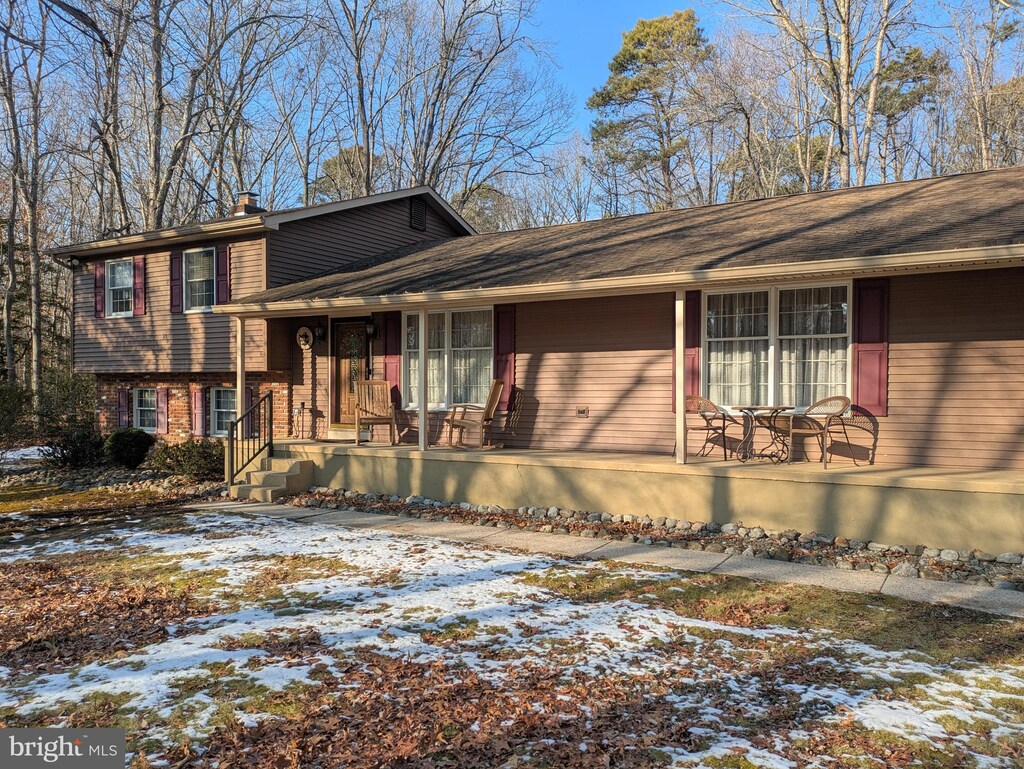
(776, 450)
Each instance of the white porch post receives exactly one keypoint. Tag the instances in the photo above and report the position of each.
(424, 418)
(239, 363)
(680, 377)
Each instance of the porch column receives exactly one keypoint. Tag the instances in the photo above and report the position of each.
(239, 363)
(680, 377)
(424, 417)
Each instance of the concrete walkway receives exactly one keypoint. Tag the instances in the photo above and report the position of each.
(987, 599)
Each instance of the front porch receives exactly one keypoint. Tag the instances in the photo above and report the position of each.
(938, 507)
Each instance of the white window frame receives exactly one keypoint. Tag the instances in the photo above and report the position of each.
(774, 362)
(446, 357)
(108, 289)
(184, 279)
(214, 410)
(136, 421)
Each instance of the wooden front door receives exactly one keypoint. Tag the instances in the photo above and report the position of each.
(349, 342)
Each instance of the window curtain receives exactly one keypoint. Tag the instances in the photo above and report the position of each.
(813, 343)
(737, 333)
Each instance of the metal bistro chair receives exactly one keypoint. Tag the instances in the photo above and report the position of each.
(470, 416)
(713, 423)
(374, 406)
(818, 420)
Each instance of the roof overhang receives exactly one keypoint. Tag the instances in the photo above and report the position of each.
(243, 225)
(988, 257)
(250, 224)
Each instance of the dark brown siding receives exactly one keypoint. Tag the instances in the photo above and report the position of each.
(311, 246)
(160, 340)
(611, 355)
(956, 370)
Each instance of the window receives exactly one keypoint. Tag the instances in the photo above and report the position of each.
(460, 357)
(200, 279)
(737, 334)
(223, 408)
(785, 346)
(813, 344)
(145, 409)
(119, 280)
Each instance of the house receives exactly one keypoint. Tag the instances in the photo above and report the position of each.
(906, 297)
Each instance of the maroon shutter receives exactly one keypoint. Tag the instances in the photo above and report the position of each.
(139, 285)
(123, 407)
(505, 351)
(691, 344)
(393, 354)
(161, 410)
(99, 289)
(177, 297)
(223, 275)
(871, 345)
(199, 411)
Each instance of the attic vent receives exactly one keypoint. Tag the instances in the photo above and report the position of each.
(417, 214)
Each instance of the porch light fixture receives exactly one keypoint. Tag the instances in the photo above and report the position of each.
(371, 329)
(320, 332)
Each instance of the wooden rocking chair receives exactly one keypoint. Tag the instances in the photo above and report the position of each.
(470, 416)
(374, 407)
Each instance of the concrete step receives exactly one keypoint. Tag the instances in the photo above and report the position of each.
(279, 477)
(259, 493)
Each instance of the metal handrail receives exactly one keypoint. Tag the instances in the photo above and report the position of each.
(252, 432)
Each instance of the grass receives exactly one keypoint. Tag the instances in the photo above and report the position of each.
(113, 567)
(52, 499)
(942, 632)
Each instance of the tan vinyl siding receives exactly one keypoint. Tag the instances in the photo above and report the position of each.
(613, 355)
(956, 371)
(310, 376)
(165, 341)
(307, 247)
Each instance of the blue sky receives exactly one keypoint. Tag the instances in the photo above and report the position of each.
(584, 36)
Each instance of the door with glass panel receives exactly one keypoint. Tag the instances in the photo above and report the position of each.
(350, 343)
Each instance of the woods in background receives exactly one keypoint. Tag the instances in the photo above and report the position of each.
(125, 115)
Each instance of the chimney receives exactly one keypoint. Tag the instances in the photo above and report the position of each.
(246, 203)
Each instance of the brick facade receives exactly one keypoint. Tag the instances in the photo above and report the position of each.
(179, 398)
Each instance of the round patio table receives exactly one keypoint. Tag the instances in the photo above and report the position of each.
(776, 450)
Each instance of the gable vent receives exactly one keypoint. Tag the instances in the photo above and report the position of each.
(417, 214)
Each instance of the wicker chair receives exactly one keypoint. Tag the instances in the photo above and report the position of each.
(374, 407)
(712, 423)
(818, 420)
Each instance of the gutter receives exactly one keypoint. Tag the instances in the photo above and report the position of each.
(987, 257)
(242, 224)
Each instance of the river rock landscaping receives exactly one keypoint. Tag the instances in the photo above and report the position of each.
(107, 478)
(1003, 570)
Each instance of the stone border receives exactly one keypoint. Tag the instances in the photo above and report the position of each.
(973, 567)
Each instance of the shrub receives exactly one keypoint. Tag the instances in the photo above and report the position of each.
(128, 447)
(74, 447)
(70, 400)
(15, 416)
(197, 460)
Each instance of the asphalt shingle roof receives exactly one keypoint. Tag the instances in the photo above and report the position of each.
(967, 210)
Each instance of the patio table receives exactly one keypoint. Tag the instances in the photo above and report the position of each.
(776, 450)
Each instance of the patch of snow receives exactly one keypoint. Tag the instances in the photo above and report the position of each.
(22, 455)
